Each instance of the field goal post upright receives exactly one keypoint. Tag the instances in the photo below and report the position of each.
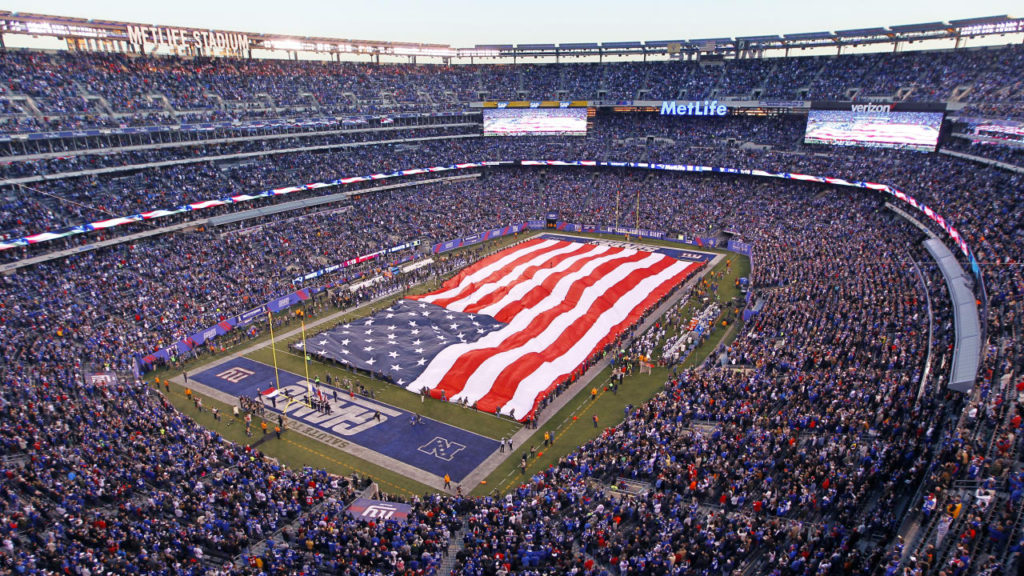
(273, 350)
(305, 359)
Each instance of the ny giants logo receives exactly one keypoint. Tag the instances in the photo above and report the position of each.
(235, 375)
(102, 379)
(379, 511)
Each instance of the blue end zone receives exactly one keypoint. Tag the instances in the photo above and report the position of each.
(677, 253)
(431, 446)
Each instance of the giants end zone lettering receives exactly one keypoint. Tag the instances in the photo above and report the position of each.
(350, 416)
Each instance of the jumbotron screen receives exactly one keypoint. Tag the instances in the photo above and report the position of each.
(1005, 132)
(535, 122)
(889, 129)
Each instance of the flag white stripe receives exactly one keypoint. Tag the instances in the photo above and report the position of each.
(486, 271)
(516, 274)
(482, 380)
(546, 374)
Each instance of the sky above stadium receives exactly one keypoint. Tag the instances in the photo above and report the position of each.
(464, 23)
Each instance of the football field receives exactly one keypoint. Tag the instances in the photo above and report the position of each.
(385, 429)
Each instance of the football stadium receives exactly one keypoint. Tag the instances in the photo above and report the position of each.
(744, 305)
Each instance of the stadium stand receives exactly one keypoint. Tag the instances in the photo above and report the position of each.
(822, 440)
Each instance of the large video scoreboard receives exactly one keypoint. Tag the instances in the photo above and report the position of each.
(904, 126)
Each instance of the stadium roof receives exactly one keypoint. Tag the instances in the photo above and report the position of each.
(110, 35)
(861, 32)
(809, 36)
(766, 38)
(982, 20)
(919, 27)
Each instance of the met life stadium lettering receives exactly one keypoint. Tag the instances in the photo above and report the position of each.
(178, 38)
(705, 108)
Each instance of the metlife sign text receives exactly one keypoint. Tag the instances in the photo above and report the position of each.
(705, 108)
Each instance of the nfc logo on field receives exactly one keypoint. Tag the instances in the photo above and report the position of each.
(235, 375)
(442, 448)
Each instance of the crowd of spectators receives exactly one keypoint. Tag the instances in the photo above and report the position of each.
(1007, 154)
(56, 163)
(79, 90)
(798, 449)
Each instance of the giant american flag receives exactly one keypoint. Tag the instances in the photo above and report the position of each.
(507, 329)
